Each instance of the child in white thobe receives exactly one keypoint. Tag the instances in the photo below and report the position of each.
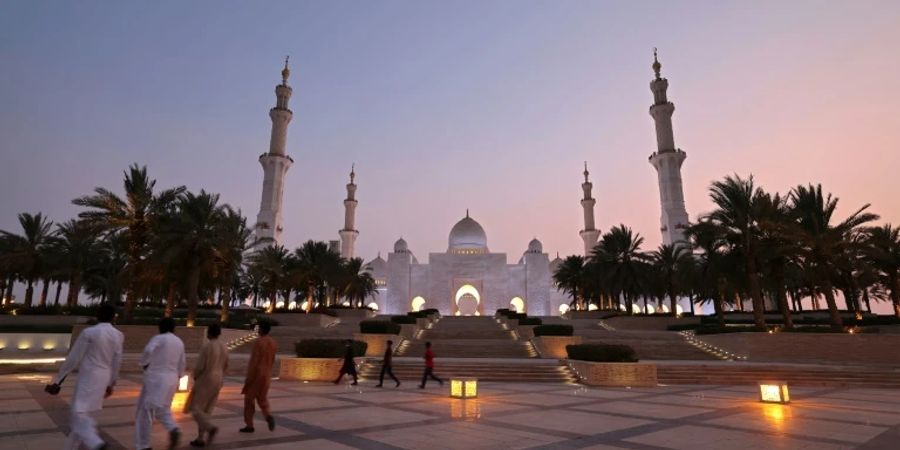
(163, 363)
(96, 354)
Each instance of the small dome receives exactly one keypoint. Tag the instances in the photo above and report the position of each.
(535, 246)
(467, 234)
(400, 246)
(377, 265)
(555, 264)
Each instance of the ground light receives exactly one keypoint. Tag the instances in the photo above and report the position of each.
(774, 392)
(183, 383)
(464, 387)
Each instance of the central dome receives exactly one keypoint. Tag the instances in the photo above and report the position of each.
(467, 234)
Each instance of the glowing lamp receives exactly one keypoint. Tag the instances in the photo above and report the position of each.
(183, 383)
(774, 392)
(464, 387)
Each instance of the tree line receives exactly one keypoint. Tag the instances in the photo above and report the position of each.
(168, 248)
(754, 246)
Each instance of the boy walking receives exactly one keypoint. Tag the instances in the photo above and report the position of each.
(349, 365)
(387, 366)
(429, 367)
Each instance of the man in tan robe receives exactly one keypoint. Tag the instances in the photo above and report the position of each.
(209, 374)
(259, 377)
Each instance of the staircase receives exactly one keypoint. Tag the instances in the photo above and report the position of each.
(534, 370)
(468, 337)
(655, 345)
(799, 375)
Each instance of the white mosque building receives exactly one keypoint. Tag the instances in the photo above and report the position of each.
(467, 278)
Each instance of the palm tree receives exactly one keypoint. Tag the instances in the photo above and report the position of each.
(669, 261)
(776, 249)
(737, 213)
(26, 251)
(822, 242)
(235, 240)
(76, 247)
(105, 277)
(711, 262)
(135, 216)
(191, 235)
(358, 283)
(883, 252)
(571, 277)
(617, 259)
(270, 266)
(315, 263)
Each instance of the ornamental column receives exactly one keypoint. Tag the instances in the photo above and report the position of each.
(349, 232)
(590, 233)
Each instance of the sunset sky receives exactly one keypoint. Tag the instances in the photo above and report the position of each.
(487, 105)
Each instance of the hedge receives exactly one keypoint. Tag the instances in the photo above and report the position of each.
(554, 330)
(327, 348)
(601, 353)
(430, 311)
(379, 327)
(404, 320)
(530, 321)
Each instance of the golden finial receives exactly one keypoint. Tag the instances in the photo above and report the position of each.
(586, 173)
(352, 172)
(656, 65)
(285, 73)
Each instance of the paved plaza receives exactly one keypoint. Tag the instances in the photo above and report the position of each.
(523, 415)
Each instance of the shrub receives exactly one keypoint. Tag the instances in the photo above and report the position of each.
(404, 319)
(530, 321)
(554, 330)
(601, 353)
(431, 311)
(379, 327)
(327, 348)
(502, 312)
(418, 314)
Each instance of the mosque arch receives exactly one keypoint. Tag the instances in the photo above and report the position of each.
(467, 300)
(417, 304)
(517, 304)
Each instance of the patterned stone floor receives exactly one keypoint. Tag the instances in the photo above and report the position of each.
(542, 416)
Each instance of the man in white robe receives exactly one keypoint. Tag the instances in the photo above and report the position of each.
(163, 363)
(96, 354)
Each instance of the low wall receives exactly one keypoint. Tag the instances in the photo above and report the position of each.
(12, 344)
(137, 336)
(377, 343)
(615, 374)
(554, 346)
(43, 320)
(303, 320)
(658, 323)
(310, 369)
(880, 349)
(358, 314)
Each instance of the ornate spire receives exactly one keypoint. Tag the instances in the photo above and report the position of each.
(285, 73)
(352, 172)
(467, 212)
(656, 65)
(586, 173)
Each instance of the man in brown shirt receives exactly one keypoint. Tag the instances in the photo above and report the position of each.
(387, 365)
(259, 377)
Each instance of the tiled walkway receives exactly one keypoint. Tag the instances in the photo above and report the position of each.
(544, 416)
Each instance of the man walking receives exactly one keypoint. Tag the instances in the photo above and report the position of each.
(259, 377)
(163, 363)
(209, 374)
(97, 354)
(429, 367)
(349, 364)
(387, 365)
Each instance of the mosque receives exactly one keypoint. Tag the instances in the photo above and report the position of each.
(467, 278)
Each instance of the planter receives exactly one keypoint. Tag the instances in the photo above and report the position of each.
(21, 343)
(310, 369)
(615, 374)
(377, 342)
(525, 331)
(554, 346)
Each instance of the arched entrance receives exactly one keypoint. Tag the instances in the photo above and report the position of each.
(517, 305)
(417, 304)
(467, 300)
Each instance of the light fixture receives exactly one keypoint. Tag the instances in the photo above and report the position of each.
(774, 392)
(464, 387)
(183, 383)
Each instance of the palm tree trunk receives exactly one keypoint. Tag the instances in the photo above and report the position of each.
(837, 323)
(719, 306)
(309, 298)
(673, 303)
(226, 304)
(866, 301)
(58, 291)
(170, 300)
(781, 296)
(895, 293)
(9, 289)
(74, 290)
(45, 292)
(193, 295)
(29, 293)
(691, 299)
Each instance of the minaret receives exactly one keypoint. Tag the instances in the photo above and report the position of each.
(349, 233)
(667, 160)
(590, 233)
(275, 165)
